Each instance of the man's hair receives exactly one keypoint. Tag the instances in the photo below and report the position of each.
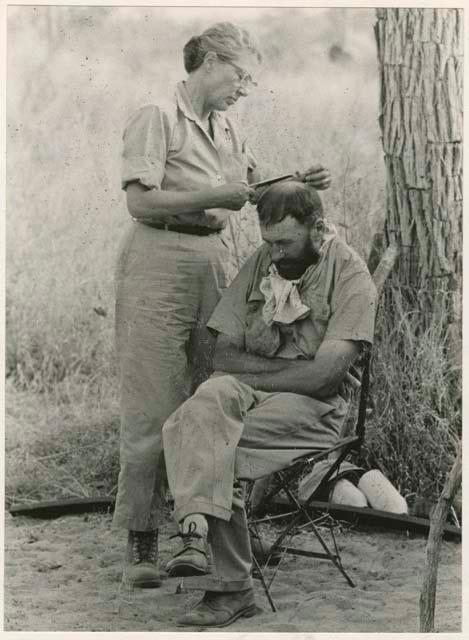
(291, 198)
(225, 39)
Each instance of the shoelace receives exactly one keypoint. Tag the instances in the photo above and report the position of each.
(188, 535)
(145, 547)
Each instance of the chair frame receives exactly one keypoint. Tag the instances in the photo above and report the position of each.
(300, 511)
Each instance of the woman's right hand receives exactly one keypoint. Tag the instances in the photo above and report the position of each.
(233, 195)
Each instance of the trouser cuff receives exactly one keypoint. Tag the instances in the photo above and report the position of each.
(206, 508)
(120, 521)
(215, 583)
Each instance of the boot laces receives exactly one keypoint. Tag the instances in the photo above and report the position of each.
(189, 535)
(144, 546)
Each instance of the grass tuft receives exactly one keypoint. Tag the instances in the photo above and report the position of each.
(62, 444)
(416, 424)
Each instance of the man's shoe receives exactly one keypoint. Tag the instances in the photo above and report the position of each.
(141, 560)
(192, 560)
(219, 609)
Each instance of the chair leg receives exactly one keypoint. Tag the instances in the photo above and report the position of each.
(254, 535)
(264, 584)
(303, 513)
(339, 559)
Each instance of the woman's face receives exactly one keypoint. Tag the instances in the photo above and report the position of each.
(229, 81)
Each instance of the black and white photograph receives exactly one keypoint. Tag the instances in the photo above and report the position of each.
(233, 319)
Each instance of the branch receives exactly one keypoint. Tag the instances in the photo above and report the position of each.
(437, 523)
(385, 267)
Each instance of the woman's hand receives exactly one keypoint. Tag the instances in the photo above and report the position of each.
(317, 176)
(256, 193)
(233, 196)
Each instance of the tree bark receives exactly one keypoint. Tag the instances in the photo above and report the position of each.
(420, 54)
(437, 523)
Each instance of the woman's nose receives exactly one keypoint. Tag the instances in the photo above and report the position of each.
(243, 90)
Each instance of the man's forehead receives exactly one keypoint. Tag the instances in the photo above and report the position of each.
(287, 229)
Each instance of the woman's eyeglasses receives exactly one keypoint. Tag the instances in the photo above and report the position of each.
(244, 77)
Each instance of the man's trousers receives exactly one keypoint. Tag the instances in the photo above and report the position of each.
(204, 438)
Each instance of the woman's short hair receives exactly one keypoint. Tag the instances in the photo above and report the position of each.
(291, 198)
(225, 39)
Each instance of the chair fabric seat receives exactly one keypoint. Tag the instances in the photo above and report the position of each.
(252, 464)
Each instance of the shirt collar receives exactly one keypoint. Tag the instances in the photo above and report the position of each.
(185, 105)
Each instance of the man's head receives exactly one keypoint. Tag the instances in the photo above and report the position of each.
(292, 224)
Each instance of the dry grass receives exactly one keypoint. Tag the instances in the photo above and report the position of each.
(66, 109)
(416, 424)
(61, 444)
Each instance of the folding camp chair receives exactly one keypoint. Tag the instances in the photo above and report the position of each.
(286, 479)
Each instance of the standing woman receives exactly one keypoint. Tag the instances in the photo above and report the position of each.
(186, 168)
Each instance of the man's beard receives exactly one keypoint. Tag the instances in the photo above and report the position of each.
(293, 269)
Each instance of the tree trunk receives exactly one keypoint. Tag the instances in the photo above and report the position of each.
(420, 53)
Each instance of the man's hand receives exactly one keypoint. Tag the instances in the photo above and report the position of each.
(317, 176)
(233, 196)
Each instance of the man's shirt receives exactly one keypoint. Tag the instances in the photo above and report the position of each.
(338, 289)
(167, 148)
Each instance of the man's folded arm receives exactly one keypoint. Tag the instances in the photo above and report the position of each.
(230, 357)
(318, 378)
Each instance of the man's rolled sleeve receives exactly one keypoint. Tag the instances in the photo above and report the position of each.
(229, 316)
(145, 148)
(353, 309)
(230, 313)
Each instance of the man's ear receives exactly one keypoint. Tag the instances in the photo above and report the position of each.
(318, 227)
(316, 232)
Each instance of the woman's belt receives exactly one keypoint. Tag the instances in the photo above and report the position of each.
(183, 228)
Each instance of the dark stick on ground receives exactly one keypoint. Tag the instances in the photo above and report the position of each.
(437, 523)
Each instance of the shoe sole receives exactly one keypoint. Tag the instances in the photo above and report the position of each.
(247, 612)
(144, 584)
(186, 570)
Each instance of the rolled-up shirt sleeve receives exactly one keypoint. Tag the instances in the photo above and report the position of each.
(353, 307)
(145, 150)
(229, 316)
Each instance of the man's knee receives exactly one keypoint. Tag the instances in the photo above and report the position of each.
(215, 399)
(219, 388)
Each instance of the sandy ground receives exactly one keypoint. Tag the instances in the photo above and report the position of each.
(64, 575)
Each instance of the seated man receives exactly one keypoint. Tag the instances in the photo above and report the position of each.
(293, 321)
